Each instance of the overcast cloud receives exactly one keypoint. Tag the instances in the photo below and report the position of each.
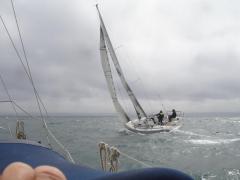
(183, 54)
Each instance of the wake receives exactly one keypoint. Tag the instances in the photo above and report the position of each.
(206, 140)
(190, 133)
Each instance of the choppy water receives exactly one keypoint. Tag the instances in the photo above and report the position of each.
(205, 147)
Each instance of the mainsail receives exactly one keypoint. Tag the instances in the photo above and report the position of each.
(107, 42)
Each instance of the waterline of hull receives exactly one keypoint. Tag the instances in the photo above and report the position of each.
(152, 129)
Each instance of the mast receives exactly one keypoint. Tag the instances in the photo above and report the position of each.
(109, 79)
(139, 110)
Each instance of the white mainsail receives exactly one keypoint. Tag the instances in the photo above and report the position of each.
(107, 42)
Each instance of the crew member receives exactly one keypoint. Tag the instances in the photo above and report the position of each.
(173, 115)
(160, 117)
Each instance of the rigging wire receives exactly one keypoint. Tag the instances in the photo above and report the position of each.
(25, 69)
(28, 67)
(17, 52)
(121, 93)
(130, 63)
(58, 142)
(12, 104)
(9, 96)
(29, 74)
(18, 106)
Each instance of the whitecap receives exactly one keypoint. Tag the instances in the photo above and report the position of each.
(201, 141)
(191, 133)
(212, 141)
(124, 132)
(2, 127)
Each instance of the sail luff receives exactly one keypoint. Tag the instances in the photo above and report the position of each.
(136, 104)
(109, 79)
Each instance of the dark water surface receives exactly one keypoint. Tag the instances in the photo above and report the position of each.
(205, 147)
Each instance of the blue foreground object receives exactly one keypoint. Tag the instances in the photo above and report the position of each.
(35, 154)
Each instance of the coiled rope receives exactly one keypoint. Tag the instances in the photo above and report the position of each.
(20, 134)
(109, 157)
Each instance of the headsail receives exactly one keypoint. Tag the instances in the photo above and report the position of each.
(108, 75)
(139, 110)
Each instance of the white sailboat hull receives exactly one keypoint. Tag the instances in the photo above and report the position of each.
(152, 128)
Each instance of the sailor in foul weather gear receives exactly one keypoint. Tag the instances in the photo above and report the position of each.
(173, 115)
(160, 117)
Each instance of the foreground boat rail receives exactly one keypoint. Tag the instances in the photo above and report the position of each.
(36, 155)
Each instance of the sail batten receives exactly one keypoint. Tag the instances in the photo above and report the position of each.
(139, 110)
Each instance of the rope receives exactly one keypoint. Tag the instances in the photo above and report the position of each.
(20, 130)
(102, 151)
(9, 129)
(109, 157)
(62, 146)
(115, 153)
(134, 159)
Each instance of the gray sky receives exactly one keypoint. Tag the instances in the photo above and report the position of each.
(183, 54)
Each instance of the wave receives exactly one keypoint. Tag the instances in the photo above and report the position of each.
(212, 141)
(229, 120)
(124, 132)
(190, 133)
(2, 127)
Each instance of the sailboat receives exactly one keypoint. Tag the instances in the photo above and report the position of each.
(20, 147)
(143, 123)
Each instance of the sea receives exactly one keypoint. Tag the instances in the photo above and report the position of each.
(206, 146)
